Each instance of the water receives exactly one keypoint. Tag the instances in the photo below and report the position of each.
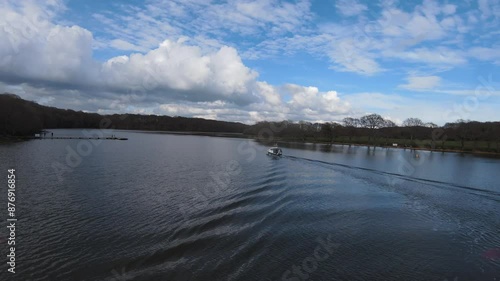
(175, 207)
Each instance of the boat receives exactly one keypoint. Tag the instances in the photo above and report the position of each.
(274, 151)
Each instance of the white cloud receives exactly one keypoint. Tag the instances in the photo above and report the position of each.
(54, 65)
(120, 44)
(440, 56)
(375, 102)
(399, 107)
(426, 36)
(142, 27)
(449, 9)
(484, 7)
(282, 29)
(250, 17)
(184, 59)
(309, 100)
(350, 7)
(486, 54)
(269, 93)
(60, 56)
(346, 57)
(33, 48)
(184, 71)
(428, 22)
(421, 82)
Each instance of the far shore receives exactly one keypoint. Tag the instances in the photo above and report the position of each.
(193, 133)
(14, 139)
(380, 146)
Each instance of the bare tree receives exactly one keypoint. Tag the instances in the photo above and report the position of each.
(330, 129)
(430, 125)
(351, 122)
(413, 122)
(464, 131)
(389, 124)
(372, 122)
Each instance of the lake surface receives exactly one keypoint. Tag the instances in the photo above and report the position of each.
(179, 207)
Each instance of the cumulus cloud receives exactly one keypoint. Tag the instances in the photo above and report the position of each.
(54, 64)
(61, 55)
(188, 57)
(183, 72)
(33, 48)
(269, 93)
(309, 101)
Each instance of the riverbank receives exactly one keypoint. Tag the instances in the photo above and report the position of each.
(208, 134)
(480, 148)
(399, 145)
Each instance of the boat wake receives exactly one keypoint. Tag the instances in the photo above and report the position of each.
(477, 191)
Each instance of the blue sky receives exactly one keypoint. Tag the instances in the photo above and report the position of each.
(257, 60)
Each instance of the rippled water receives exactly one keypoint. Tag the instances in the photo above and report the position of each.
(175, 207)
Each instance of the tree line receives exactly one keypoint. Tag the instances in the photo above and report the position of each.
(373, 129)
(19, 117)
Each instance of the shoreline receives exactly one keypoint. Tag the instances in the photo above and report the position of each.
(15, 139)
(477, 152)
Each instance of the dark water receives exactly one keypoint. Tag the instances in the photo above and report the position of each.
(173, 207)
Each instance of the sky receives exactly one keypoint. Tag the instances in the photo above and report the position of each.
(255, 60)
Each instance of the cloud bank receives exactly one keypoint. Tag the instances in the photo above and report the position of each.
(175, 77)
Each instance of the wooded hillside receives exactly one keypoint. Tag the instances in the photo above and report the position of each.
(19, 117)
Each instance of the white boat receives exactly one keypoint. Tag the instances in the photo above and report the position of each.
(274, 151)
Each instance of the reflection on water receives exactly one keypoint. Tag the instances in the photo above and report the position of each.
(176, 207)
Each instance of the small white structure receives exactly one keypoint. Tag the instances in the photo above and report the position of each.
(395, 144)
